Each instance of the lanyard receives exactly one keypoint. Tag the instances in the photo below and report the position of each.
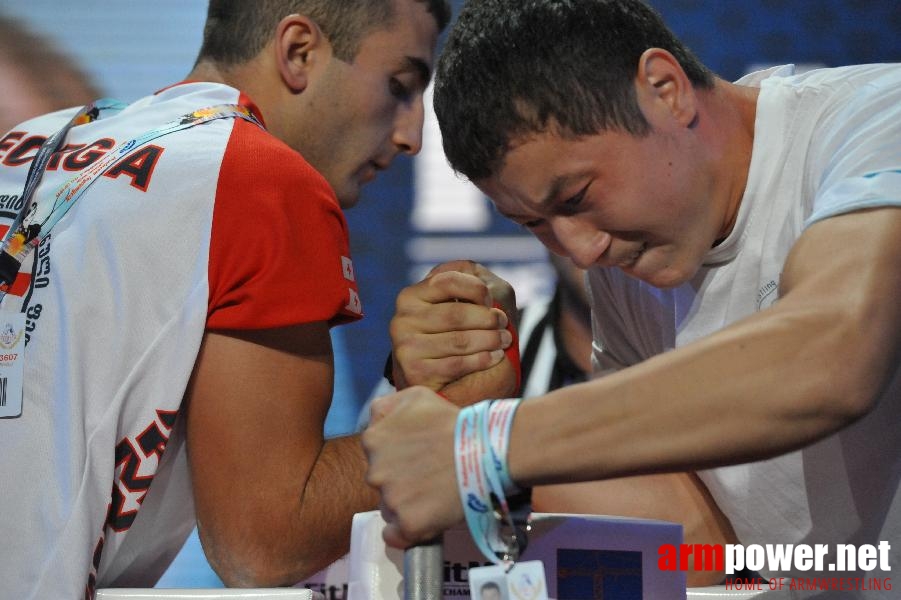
(34, 221)
(481, 438)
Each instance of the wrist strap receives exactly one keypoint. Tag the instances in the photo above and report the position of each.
(481, 440)
(499, 421)
(473, 485)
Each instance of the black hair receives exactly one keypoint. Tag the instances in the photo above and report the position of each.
(237, 30)
(511, 68)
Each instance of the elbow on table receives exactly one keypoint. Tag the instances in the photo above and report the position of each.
(256, 565)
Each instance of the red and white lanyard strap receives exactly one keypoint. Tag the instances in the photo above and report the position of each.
(481, 439)
(35, 219)
(500, 420)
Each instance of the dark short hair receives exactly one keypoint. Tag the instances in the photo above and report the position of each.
(237, 30)
(511, 68)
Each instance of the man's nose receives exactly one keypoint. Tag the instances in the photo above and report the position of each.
(407, 135)
(582, 242)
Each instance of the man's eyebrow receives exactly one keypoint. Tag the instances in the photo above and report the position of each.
(557, 185)
(420, 67)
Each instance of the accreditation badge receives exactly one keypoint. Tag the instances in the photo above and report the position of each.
(12, 363)
(521, 581)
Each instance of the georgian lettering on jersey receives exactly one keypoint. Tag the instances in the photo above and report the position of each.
(18, 149)
(136, 464)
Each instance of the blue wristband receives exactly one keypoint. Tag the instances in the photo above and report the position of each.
(480, 441)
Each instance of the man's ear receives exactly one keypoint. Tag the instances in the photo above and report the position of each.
(299, 43)
(662, 81)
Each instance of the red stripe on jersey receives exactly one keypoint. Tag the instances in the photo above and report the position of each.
(278, 237)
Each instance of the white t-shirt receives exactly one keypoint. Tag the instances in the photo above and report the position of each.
(220, 226)
(826, 142)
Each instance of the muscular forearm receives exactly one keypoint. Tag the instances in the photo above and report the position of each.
(770, 384)
(301, 528)
(339, 472)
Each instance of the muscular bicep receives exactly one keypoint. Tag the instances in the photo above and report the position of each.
(846, 270)
(256, 406)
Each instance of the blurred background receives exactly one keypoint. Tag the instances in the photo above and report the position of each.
(57, 54)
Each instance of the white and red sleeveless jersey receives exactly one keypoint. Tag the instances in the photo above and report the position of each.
(218, 226)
